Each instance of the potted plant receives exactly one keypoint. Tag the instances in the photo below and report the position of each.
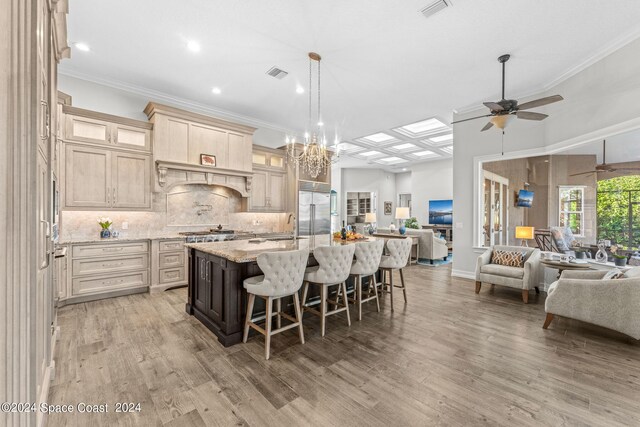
(412, 223)
(581, 252)
(620, 260)
(105, 223)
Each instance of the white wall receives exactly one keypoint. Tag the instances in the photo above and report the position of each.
(403, 183)
(430, 181)
(599, 101)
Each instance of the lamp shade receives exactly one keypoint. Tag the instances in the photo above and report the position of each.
(370, 217)
(402, 213)
(524, 232)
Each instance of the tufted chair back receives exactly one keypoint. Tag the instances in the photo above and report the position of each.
(334, 263)
(368, 255)
(283, 272)
(399, 250)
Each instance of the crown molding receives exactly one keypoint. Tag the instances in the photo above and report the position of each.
(196, 107)
(607, 50)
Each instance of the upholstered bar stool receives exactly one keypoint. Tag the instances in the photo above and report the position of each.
(283, 275)
(397, 258)
(333, 270)
(368, 256)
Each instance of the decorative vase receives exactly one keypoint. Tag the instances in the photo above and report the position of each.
(105, 233)
(601, 255)
(402, 229)
(620, 262)
(371, 230)
(581, 255)
(392, 228)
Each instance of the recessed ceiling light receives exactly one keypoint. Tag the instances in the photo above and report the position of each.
(216, 91)
(299, 89)
(404, 146)
(442, 138)
(404, 169)
(391, 159)
(82, 46)
(193, 46)
(378, 137)
(320, 123)
(425, 154)
(424, 127)
(370, 153)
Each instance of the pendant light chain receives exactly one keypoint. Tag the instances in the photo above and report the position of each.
(310, 90)
(319, 116)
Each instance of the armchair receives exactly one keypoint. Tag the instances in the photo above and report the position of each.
(583, 295)
(430, 246)
(524, 278)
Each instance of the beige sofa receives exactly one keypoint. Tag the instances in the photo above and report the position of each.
(430, 247)
(524, 278)
(583, 295)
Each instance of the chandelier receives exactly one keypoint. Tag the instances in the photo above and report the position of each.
(312, 155)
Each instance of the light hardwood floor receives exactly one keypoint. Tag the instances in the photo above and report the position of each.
(448, 357)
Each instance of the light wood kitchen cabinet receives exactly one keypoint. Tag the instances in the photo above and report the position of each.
(169, 266)
(106, 179)
(208, 140)
(91, 127)
(268, 191)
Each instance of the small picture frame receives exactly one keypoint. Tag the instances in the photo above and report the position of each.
(208, 160)
(387, 208)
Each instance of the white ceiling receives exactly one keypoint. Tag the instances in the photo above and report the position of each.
(620, 148)
(384, 64)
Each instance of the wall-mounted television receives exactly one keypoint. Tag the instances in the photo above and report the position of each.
(441, 212)
(525, 199)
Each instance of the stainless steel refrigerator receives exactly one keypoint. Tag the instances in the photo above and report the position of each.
(314, 208)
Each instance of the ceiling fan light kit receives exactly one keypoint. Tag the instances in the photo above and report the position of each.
(505, 110)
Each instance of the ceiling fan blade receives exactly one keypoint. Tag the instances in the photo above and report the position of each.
(472, 118)
(626, 169)
(487, 127)
(584, 173)
(528, 115)
(540, 102)
(493, 106)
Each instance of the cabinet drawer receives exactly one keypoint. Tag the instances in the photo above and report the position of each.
(86, 266)
(171, 259)
(109, 249)
(89, 285)
(171, 245)
(171, 275)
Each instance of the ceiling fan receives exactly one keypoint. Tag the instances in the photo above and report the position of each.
(604, 167)
(503, 111)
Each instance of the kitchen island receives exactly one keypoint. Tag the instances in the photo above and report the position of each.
(216, 273)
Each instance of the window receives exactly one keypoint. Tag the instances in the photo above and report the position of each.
(571, 206)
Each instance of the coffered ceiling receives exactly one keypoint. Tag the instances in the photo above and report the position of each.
(384, 64)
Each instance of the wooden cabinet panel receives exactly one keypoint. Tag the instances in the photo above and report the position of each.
(131, 137)
(111, 282)
(240, 157)
(88, 177)
(109, 249)
(171, 245)
(207, 140)
(84, 129)
(175, 259)
(172, 275)
(131, 181)
(215, 302)
(258, 197)
(276, 198)
(177, 142)
(202, 286)
(86, 266)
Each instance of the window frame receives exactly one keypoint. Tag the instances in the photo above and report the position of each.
(569, 212)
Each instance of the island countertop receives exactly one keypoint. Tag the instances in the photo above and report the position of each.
(242, 251)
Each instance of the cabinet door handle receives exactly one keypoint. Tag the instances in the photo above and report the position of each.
(112, 249)
(207, 271)
(108, 196)
(115, 199)
(44, 135)
(113, 264)
(201, 268)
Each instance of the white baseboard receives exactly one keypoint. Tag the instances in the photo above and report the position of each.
(464, 274)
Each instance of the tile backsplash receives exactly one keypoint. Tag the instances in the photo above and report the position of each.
(184, 208)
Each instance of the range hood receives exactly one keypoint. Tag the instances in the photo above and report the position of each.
(171, 174)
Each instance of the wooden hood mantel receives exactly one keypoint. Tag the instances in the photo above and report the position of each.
(171, 174)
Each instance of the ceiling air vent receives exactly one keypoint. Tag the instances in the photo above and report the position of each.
(277, 73)
(435, 7)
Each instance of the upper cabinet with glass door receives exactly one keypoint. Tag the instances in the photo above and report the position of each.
(268, 157)
(90, 127)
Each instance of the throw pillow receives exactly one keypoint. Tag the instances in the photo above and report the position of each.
(508, 258)
(632, 273)
(569, 238)
(557, 234)
(614, 273)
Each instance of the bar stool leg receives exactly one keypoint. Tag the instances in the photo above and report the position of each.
(375, 291)
(279, 310)
(337, 304)
(391, 287)
(296, 304)
(305, 290)
(346, 305)
(358, 283)
(247, 320)
(404, 289)
(323, 309)
(267, 341)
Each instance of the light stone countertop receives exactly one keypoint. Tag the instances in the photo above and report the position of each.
(240, 235)
(241, 251)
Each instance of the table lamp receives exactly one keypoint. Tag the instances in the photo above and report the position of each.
(402, 214)
(524, 233)
(370, 217)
